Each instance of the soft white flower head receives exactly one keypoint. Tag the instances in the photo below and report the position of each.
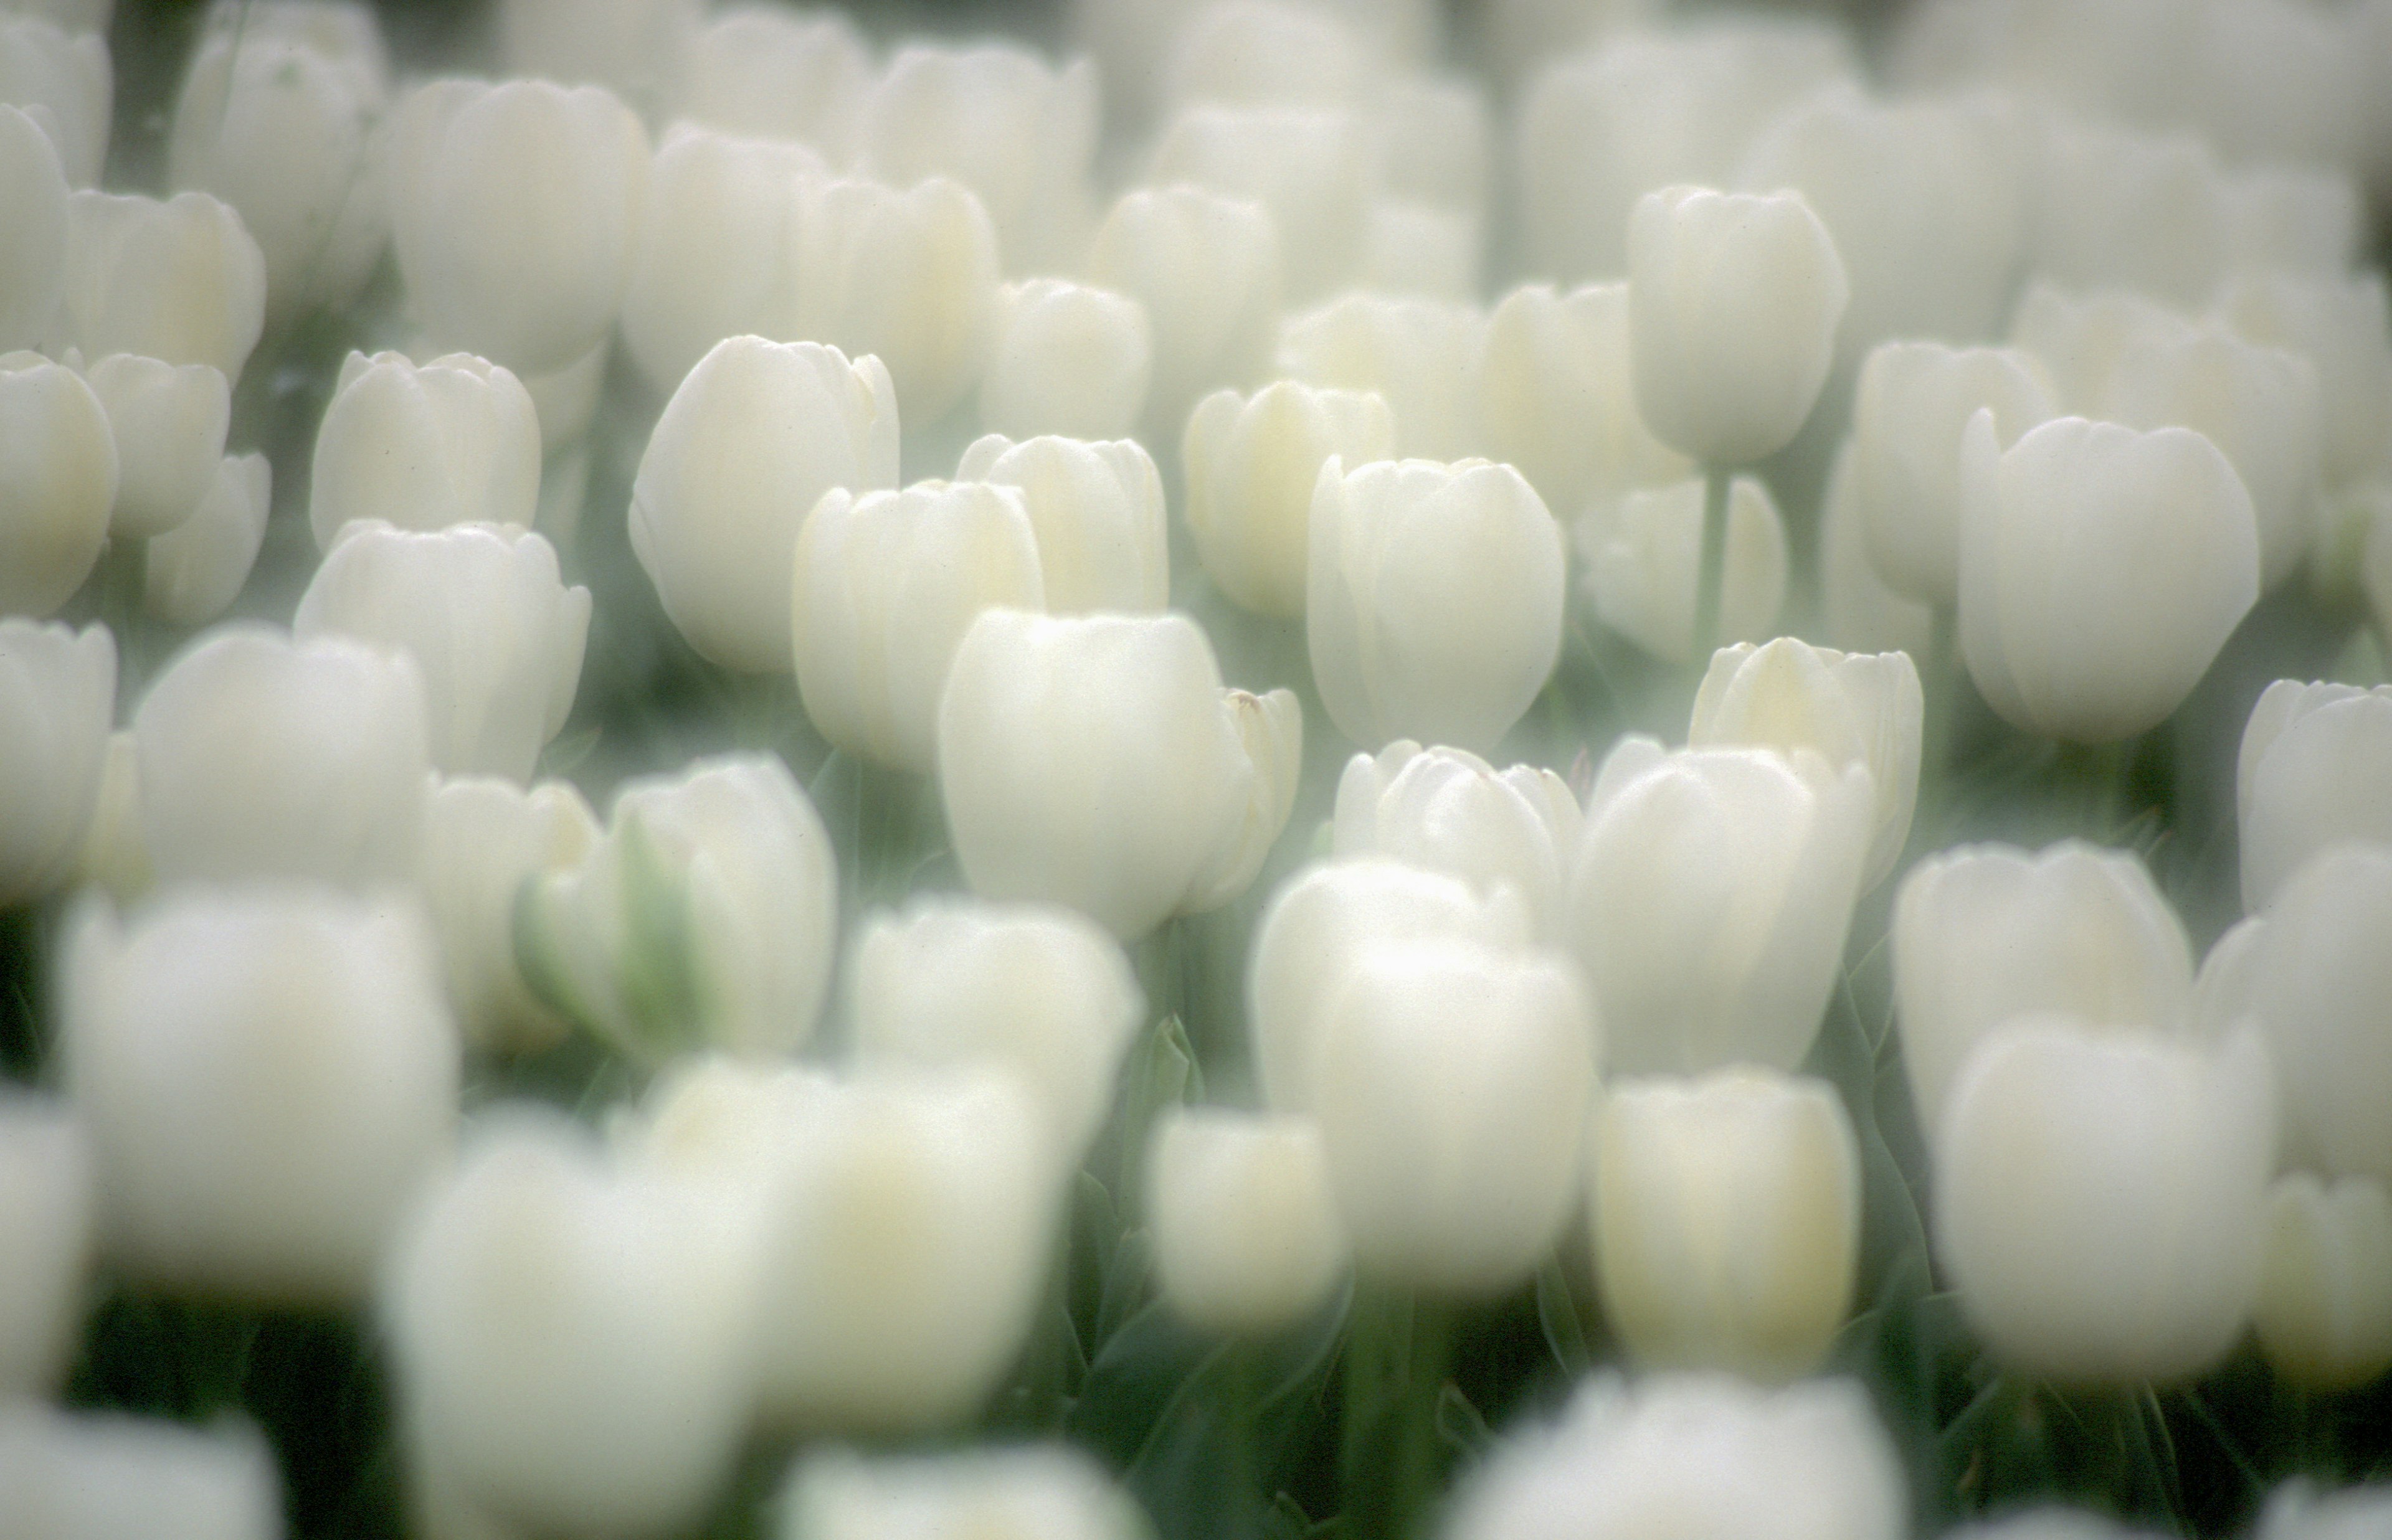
(424, 446)
(57, 700)
(59, 70)
(48, 1196)
(111, 855)
(1859, 610)
(2310, 775)
(1422, 251)
(1436, 142)
(1103, 537)
(1246, 1235)
(1309, 167)
(34, 247)
(1067, 358)
(1206, 267)
(57, 483)
(484, 837)
(1643, 564)
(1554, 397)
(86, 1476)
(907, 275)
(169, 424)
(1029, 1492)
(1252, 464)
(2324, 1311)
(1449, 810)
(191, 574)
(179, 279)
(632, 47)
(768, 73)
(2298, 1511)
(1265, 53)
(2339, 322)
(2124, 207)
(1417, 354)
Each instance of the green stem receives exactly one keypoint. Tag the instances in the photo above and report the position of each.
(1396, 1357)
(1711, 568)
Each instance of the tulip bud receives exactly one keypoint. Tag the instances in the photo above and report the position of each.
(1025, 1493)
(1103, 540)
(1040, 992)
(169, 428)
(1067, 360)
(703, 917)
(2340, 323)
(1913, 403)
(2078, 336)
(1097, 761)
(57, 481)
(514, 209)
(1449, 810)
(192, 572)
(262, 754)
(884, 587)
(774, 74)
(1733, 303)
(34, 247)
(1206, 267)
(1790, 695)
(2310, 775)
(179, 280)
(1451, 1081)
(1859, 612)
(1710, 899)
(62, 69)
(2099, 1197)
(496, 636)
(1309, 168)
(265, 1074)
(102, 1476)
(1246, 1237)
(2100, 571)
(57, 698)
(484, 838)
(571, 1341)
(454, 441)
(1727, 1215)
(1554, 397)
(45, 1205)
(747, 445)
(1644, 557)
(1433, 602)
(2324, 1313)
(1417, 354)
(907, 275)
(1252, 464)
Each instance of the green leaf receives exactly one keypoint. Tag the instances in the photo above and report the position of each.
(1459, 1425)
(1558, 1313)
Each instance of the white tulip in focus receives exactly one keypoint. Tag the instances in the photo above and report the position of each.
(2312, 773)
(1726, 1218)
(1450, 1081)
(1309, 168)
(62, 70)
(1700, 1456)
(1097, 761)
(769, 73)
(1733, 305)
(1914, 400)
(33, 246)
(263, 755)
(1252, 464)
(110, 1477)
(1038, 991)
(57, 483)
(632, 47)
(46, 1200)
(1416, 353)
(750, 441)
(58, 699)
(908, 276)
(704, 917)
(1206, 267)
(1983, 932)
(1103, 540)
(1644, 566)
(2140, 1162)
(515, 209)
(883, 588)
(179, 279)
(1066, 358)
(496, 636)
(1710, 899)
(2324, 1313)
(1023, 1492)
(1449, 810)
(1433, 605)
(1790, 695)
(2101, 569)
(1555, 400)
(266, 1073)
(484, 837)
(1247, 1240)
(571, 1341)
(191, 574)
(1861, 612)
(169, 426)
(424, 446)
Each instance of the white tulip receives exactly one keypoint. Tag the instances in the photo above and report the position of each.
(1644, 566)
(1263, 53)
(1726, 1218)
(57, 700)
(1433, 605)
(169, 425)
(1043, 994)
(633, 47)
(485, 836)
(514, 209)
(191, 574)
(1246, 1237)
(2310, 775)
(34, 247)
(1067, 358)
(110, 1477)
(1417, 354)
(2340, 323)
(2100, 571)
(62, 69)
(2141, 1162)
(1206, 267)
(266, 1073)
(1790, 695)
(424, 446)
(1554, 397)
(1252, 464)
(1425, 250)
(46, 1201)
(112, 855)
(747, 445)
(1309, 168)
(908, 276)
(1103, 537)
(57, 483)
(768, 73)
(2078, 336)
(2050, 1523)
(262, 754)
(2297, 1511)
(1096, 761)
(1710, 899)
(1859, 610)
(1449, 810)
(180, 280)
(1031, 1491)
(1436, 142)
(2137, 209)
(2324, 1311)
(2311, 219)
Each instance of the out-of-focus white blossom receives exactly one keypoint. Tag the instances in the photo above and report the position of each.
(1436, 143)
(632, 47)
(169, 426)
(1645, 563)
(1246, 1235)
(1032, 1491)
(107, 1477)
(57, 483)
(57, 700)
(179, 279)
(1206, 267)
(1066, 358)
(1554, 399)
(2311, 774)
(46, 1200)
(192, 572)
(1104, 542)
(2135, 210)
(906, 274)
(2339, 322)
(1859, 610)
(2298, 1511)
(33, 244)
(61, 70)
(2324, 1313)
(1265, 53)
(769, 73)
(484, 837)
(1449, 810)
(1309, 168)
(1420, 250)
(424, 446)
(112, 854)
(1417, 354)
(1251, 465)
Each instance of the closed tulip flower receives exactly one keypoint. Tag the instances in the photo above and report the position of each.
(1097, 761)
(33, 248)
(1252, 464)
(1645, 559)
(2100, 571)
(906, 274)
(1554, 399)
(101, 1476)
(1433, 602)
(61, 68)
(1067, 358)
(1449, 810)
(1246, 1235)
(2310, 775)
(774, 74)
(1255, 51)
(2342, 323)
(1309, 167)
(884, 587)
(1859, 610)
(1031, 1491)
(2142, 1162)
(485, 836)
(424, 446)
(2298, 1511)
(1417, 354)
(58, 699)
(2324, 1314)
(266, 1073)
(1848, 707)
(191, 574)
(1726, 1216)
(46, 1201)
(180, 280)
(1733, 305)
(630, 46)
(57, 483)
(1206, 267)
(1710, 899)
(169, 425)
(750, 441)
(112, 855)
(1103, 540)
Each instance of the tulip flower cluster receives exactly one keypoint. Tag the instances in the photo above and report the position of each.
(1557, 770)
